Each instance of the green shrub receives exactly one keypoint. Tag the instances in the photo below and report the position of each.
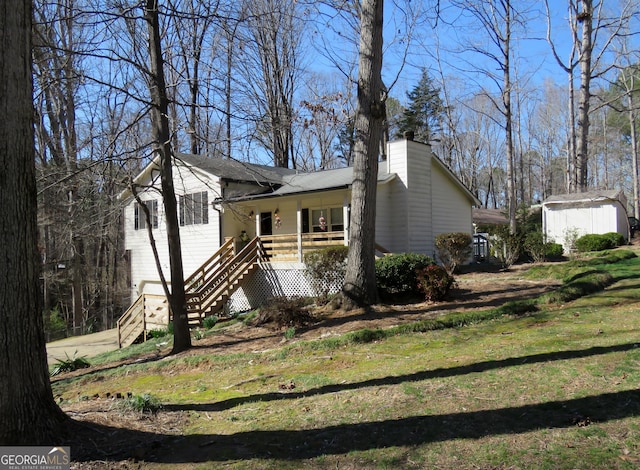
(454, 249)
(616, 238)
(396, 273)
(553, 251)
(534, 246)
(144, 404)
(594, 242)
(434, 282)
(506, 246)
(158, 333)
(326, 268)
(55, 325)
(538, 250)
(209, 322)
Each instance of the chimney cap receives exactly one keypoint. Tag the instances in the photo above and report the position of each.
(409, 135)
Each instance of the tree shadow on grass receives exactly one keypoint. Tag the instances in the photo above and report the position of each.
(113, 444)
(97, 442)
(415, 377)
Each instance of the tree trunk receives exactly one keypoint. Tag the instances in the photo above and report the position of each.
(360, 278)
(162, 144)
(508, 114)
(572, 154)
(634, 148)
(586, 18)
(28, 412)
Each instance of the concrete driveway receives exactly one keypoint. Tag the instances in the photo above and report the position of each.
(85, 345)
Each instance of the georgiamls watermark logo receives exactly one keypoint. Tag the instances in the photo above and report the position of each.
(35, 458)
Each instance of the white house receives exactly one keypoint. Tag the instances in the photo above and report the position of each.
(566, 217)
(225, 203)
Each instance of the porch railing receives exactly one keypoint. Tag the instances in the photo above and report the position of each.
(149, 311)
(285, 247)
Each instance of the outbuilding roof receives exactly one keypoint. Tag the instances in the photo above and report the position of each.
(589, 196)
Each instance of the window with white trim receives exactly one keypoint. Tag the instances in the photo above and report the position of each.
(327, 220)
(194, 208)
(140, 218)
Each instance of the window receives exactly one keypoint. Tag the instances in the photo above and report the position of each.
(325, 220)
(139, 217)
(194, 209)
(337, 219)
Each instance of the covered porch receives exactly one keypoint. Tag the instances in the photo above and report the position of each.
(289, 227)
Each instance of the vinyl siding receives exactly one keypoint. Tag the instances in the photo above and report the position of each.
(198, 241)
(560, 220)
(396, 223)
(452, 211)
(419, 209)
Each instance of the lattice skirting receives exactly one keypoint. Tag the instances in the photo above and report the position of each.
(277, 280)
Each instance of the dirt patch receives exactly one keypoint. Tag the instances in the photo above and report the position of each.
(475, 290)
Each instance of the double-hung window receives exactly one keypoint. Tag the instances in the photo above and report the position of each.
(194, 209)
(140, 217)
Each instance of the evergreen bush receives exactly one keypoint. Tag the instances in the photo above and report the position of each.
(553, 251)
(396, 273)
(326, 268)
(534, 246)
(594, 242)
(616, 238)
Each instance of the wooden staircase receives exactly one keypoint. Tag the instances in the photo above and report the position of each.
(212, 284)
(148, 312)
(206, 291)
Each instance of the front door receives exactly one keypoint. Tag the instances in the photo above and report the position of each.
(266, 226)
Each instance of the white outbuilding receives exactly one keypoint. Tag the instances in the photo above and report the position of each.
(566, 217)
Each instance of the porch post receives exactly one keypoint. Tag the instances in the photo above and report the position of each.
(345, 218)
(299, 228)
(257, 216)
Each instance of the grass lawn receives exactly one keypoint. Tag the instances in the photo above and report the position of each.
(556, 387)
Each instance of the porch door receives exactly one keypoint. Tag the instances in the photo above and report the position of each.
(266, 226)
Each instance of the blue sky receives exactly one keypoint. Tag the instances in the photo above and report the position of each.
(534, 59)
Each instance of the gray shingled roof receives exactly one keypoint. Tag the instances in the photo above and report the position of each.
(316, 181)
(235, 170)
(589, 196)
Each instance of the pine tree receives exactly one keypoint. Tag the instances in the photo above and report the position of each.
(425, 112)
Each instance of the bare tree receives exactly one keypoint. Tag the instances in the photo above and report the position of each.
(496, 19)
(270, 64)
(593, 29)
(162, 146)
(28, 412)
(360, 281)
(58, 75)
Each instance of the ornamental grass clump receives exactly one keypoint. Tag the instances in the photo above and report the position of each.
(70, 364)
